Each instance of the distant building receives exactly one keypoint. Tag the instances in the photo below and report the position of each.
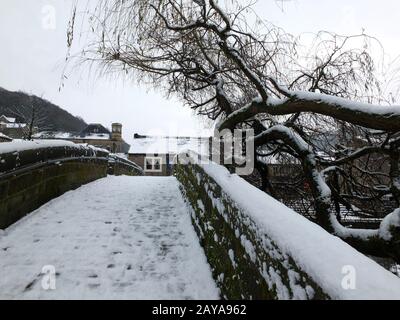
(11, 128)
(5, 119)
(99, 136)
(155, 155)
(94, 134)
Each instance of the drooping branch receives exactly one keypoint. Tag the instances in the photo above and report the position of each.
(369, 116)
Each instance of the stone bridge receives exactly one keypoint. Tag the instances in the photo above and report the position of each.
(203, 234)
(115, 238)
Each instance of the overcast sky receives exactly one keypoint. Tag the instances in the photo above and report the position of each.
(32, 58)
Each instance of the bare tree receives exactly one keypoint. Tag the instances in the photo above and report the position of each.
(34, 119)
(243, 74)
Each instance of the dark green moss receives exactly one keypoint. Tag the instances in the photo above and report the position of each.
(220, 232)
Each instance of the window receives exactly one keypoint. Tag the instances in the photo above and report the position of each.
(153, 164)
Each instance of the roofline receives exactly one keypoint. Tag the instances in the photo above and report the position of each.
(152, 153)
(137, 136)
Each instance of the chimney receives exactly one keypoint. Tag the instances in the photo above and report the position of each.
(116, 133)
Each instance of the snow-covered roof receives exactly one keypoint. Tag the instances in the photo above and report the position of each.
(69, 136)
(8, 119)
(15, 125)
(94, 129)
(3, 136)
(52, 135)
(94, 136)
(169, 145)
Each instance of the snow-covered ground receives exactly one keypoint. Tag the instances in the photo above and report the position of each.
(119, 237)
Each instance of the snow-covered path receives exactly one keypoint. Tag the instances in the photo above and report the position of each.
(119, 237)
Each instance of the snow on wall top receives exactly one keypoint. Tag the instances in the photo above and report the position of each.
(22, 145)
(169, 145)
(321, 255)
(7, 119)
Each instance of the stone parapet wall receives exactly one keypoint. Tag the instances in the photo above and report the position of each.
(259, 249)
(30, 178)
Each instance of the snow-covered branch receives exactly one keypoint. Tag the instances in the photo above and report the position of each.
(322, 192)
(378, 117)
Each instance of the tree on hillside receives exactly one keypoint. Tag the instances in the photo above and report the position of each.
(33, 117)
(255, 75)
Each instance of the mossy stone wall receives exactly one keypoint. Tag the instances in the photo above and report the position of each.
(245, 262)
(23, 192)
